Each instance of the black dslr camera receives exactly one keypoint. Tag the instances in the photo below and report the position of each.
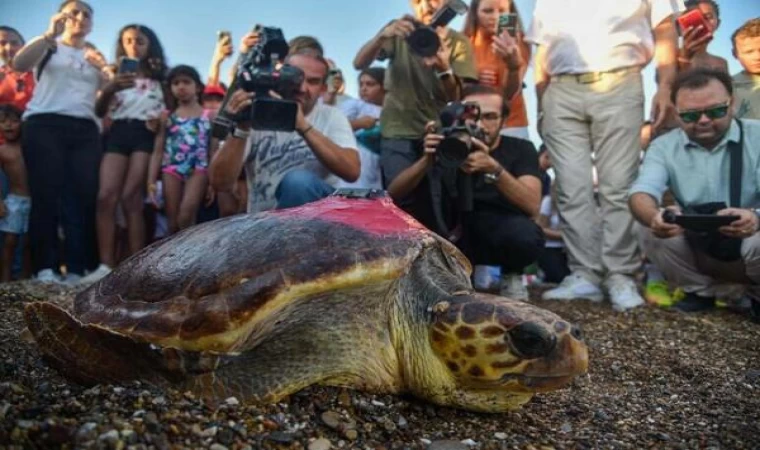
(258, 72)
(424, 40)
(458, 127)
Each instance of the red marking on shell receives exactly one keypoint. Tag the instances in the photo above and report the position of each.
(378, 216)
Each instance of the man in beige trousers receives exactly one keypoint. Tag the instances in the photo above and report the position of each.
(591, 99)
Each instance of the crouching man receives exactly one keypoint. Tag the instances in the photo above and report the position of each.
(711, 164)
(506, 191)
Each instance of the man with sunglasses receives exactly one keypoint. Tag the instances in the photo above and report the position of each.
(695, 162)
(506, 188)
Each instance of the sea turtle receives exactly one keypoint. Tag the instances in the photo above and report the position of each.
(342, 292)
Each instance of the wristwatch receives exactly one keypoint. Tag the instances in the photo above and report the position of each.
(444, 74)
(757, 214)
(240, 134)
(491, 178)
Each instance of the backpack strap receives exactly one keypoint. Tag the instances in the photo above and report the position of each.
(43, 62)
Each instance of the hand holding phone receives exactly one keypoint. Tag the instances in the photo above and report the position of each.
(507, 21)
(693, 19)
(129, 65)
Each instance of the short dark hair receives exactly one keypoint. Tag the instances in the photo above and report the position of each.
(700, 77)
(7, 109)
(691, 4)
(376, 73)
(481, 89)
(8, 29)
(750, 29)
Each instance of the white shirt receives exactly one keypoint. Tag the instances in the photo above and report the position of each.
(597, 35)
(144, 101)
(68, 86)
(271, 154)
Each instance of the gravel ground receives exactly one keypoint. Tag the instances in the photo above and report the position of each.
(658, 379)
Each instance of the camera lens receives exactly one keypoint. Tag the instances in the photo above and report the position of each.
(424, 41)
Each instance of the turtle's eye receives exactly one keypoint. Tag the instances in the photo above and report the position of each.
(531, 340)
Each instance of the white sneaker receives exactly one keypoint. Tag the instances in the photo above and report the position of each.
(574, 286)
(624, 294)
(96, 275)
(48, 276)
(72, 279)
(513, 287)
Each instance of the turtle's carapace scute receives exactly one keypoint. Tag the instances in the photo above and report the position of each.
(362, 214)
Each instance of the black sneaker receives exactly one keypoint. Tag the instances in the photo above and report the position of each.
(695, 303)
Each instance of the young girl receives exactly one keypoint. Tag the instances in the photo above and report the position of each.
(184, 147)
(134, 102)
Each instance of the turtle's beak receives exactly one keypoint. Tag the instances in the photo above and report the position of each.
(568, 360)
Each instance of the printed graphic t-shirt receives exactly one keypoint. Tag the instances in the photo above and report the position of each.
(272, 154)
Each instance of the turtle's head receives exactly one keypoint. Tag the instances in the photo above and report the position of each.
(499, 352)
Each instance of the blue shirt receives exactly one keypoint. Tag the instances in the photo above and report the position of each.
(697, 175)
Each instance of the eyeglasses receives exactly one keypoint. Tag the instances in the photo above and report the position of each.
(716, 112)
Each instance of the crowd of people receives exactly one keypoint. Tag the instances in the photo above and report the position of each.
(101, 158)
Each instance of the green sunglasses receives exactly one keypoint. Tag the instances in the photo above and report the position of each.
(716, 112)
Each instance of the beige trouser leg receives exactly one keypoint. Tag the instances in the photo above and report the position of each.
(695, 271)
(603, 117)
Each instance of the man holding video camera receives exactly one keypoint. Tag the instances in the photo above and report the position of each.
(287, 164)
(427, 64)
(504, 180)
(712, 167)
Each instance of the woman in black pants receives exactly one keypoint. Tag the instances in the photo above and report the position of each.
(61, 141)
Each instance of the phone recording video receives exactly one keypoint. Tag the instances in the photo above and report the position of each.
(129, 65)
(693, 19)
(508, 21)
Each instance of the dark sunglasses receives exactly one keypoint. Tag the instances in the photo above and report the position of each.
(716, 112)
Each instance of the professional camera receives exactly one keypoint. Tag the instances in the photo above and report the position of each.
(458, 127)
(424, 40)
(260, 70)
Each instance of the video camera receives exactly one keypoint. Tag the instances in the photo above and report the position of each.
(458, 127)
(424, 40)
(261, 70)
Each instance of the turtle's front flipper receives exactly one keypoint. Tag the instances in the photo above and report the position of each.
(88, 354)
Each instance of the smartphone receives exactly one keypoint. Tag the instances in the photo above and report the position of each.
(508, 21)
(693, 18)
(223, 36)
(129, 65)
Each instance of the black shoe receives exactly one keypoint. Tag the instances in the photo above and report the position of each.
(695, 303)
(755, 310)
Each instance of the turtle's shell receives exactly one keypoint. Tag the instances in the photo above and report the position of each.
(206, 288)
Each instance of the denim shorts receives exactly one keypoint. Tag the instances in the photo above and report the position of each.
(16, 221)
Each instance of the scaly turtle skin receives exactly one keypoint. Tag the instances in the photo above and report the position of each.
(342, 292)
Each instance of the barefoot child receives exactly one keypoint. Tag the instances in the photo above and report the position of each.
(14, 210)
(183, 150)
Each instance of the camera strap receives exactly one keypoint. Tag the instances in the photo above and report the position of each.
(735, 149)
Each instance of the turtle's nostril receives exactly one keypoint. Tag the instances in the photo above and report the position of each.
(532, 341)
(576, 332)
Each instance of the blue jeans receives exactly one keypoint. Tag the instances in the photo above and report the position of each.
(299, 187)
